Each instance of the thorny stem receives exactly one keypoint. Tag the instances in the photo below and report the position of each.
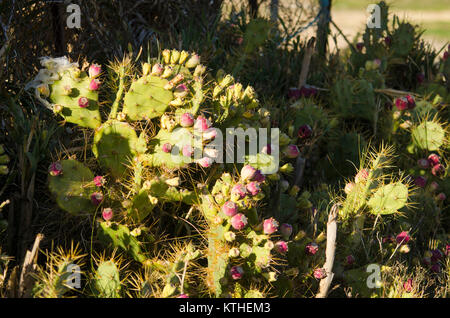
(119, 94)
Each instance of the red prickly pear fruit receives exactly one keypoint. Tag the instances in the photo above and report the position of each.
(401, 103)
(312, 248)
(259, 177)
(209, 134)
(230, 208)
(205, 162)
(434, 159)
(420, 181)
(202, 124)
(434, 186)
(96, 198)
(436, 268)
(402, 238)
(236, 272)
(304, 132)
(94, 84)
(281, 247)
(238, 221)
(286, 230)
(247, 173)
(349, 260)
(436, 255)
(181, 91)
(349, 187)
(362, 175)
(83, 102)
(408, 285)
(447, 249)
(294, 93)
(267, 149)
(166, 147)
(55, 169)
(320, 273)
(94, 70)
(441, 196)
(423, 163)
(420, 77)
(183, 296)
(445, 56)
(388, 40)
(438, 170)
(157, 70)
(359, 46)
(411, 101)
(239, 191)
(270, 226)
(253, 188)
(187, 151)
(99, 181)
(107, 214)
(187, 120)
(291, 151)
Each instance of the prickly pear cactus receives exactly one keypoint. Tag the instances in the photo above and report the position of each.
(429, 135)
(106, 281)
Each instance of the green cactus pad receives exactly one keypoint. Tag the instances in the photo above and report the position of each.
(217, 261)
(73, 188)
(389, 199)
(72, 112)
(107, 281)
(147, 98)
(428, 135)
(164, 192)
(119, 236)
(115, 144)
(141, 206)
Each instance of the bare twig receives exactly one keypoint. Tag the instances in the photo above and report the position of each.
(306, 61)
(325, 283)
(28, 267)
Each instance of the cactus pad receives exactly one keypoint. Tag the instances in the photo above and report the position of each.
(388, 199)
(428, 135)
(107, 280)
(73, 188)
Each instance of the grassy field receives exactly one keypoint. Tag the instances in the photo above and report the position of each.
(403, 5)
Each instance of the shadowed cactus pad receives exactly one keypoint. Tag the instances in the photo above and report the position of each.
(389, 199)
(147, 98)
(428, 135)
(67, 91)
(115, 144)
(73, 187)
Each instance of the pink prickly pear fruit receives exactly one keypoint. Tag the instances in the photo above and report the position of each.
(247, 173)
(236, 272)
(96, 198)
(107, 214)
(441, 196)
(438, 170)
(349, 187)
(420, 181)
(259, 177)
(157, 70)
(362, 175)
(423, 163)
(230, 208)
(434, 186)
(403, 237)
(312, 248)
(305, 131)
(187, 120)
(294, 93)
(239, 221)
(187, 150)
(94, 70)
(55, 169)
(183, 296)
(401, 103)
(349, 260)
(411, 101)
(166, 147)
(94, 84)
(286, 230)
(205, 162)
(270, 226)
(445, 56)
(202, 124)
(99, 181)
(408, 285)
(238, 191)
(434, 159)
(83, 102)
(267, 149)
(281, 247)
(181, 91)
(291, 151)
(447, 249)
(209, 134)
(193, 61)
(320, 273)
(253, 188)
(359, 46)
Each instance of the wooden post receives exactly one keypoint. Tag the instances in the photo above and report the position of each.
(323, 27)
(253, 8)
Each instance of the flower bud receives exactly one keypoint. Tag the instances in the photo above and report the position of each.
(107, 214)
(270, 226)
(95, 70)
(238, 221)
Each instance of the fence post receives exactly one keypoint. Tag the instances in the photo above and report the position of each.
(323, 27)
